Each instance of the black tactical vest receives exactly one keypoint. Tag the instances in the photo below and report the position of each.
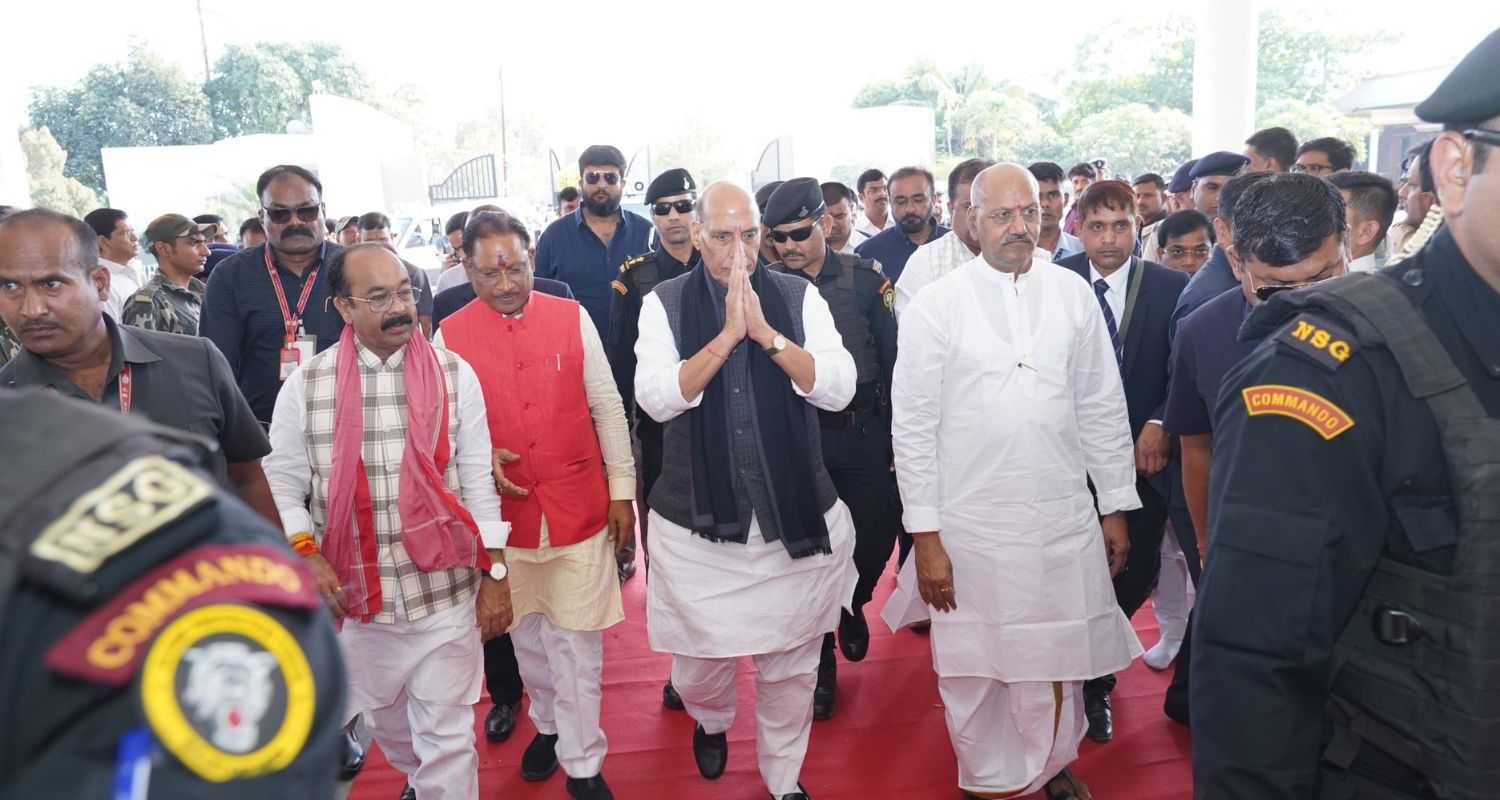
(853, 326)
(1417, 669)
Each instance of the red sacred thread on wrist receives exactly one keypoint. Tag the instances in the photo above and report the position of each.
(304, 544)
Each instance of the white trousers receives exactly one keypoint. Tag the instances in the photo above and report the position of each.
(1011, 738)
(416, 683)
(562, 670)
(783, 705)
(1173, 596)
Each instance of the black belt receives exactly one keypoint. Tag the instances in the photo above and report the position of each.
(848, 418)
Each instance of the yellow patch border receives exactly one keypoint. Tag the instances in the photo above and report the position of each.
(170, 723)
(1345, 422)
(619, 287)
(84, 537)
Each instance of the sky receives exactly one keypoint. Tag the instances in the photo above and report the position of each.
(616, 71)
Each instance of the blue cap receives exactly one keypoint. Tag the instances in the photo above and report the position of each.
(1182, 179)
(1220, 163)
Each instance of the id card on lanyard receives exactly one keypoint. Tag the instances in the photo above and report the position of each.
(297, 347)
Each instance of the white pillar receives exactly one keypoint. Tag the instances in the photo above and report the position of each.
(1224, 65)
(13, 97)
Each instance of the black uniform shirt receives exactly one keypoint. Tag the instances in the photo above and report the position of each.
(873, 297)
(1299, 522)
(625, 316)
(180, 382)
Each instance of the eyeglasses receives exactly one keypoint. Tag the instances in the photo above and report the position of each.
(1486, 135)
(610, 178)
(1313, 169)
(1178, 251)
(681, 206)
(1005, 216)
(282, 216)
(799, 235)
(383, 303)
(1264, 293)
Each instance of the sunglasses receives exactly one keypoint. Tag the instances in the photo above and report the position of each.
(1486, 135)
(1264, 293)
(282, 216)
(799, 235)
(680, 206)
(610, 178)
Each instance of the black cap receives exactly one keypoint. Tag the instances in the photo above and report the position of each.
(669, 183)
(1471, 92)
(1182, 179)
(1220, 163)
(763, 195)
(796, 200)
(601, 155)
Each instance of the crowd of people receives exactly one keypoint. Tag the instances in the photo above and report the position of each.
(1060, 395)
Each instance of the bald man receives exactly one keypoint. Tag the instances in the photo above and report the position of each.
(751, 549)
(1000, 487)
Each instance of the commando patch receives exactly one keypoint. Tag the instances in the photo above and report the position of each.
(1328, 345)
(1309, 408)
(108, 645)
(142, 496)
(229, 692)
(888, 294)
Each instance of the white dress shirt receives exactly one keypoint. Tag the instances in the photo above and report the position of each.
(1067, 245)
(124, 281)
(451, 277)
(1365, 263)
(1118, 283)
(289, 471)
(864, 228)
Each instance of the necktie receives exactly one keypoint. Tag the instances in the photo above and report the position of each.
(1101, 288)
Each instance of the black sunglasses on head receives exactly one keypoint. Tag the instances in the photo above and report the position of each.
(681, 206)
(282, 216)
(799, 235)
(610, 178)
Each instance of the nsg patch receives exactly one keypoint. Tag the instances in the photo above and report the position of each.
(229, 692)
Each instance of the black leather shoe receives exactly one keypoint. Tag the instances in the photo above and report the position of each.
(354, 757)
(670, 698)
(825, 692)
(854, 635)
(800, 794)
(711, 752)
(1101, 722)
(408, 793)
(540, 759)
(590, 788)
(500, 723)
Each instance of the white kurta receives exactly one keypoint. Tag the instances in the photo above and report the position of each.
(721, 600)
(1006, 399)
(931, 262)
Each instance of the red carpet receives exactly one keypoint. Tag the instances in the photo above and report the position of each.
(887, 739)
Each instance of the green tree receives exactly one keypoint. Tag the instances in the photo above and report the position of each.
(50, 188)
(1000, 124)
(254, 91)
(1134, 138)
(1164, 81)
(1311, 120)
(143, 102)
(324, 68)
(1311, 60)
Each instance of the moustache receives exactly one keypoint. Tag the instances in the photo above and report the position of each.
(1014, 238)
(298, 231)
(38, 327)
(400, 319)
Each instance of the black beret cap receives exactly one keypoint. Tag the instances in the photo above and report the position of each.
(1182, 179)
(1220, 163)
(601, 155)
(796, 200)
(1471, 92)
(669, 183)
(763, 196)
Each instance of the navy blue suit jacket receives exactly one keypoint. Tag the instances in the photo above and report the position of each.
(1147, 349)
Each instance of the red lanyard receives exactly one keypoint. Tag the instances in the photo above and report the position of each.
(292, 322)
(124, 384)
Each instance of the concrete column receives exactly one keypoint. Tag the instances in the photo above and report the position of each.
(1224, 66)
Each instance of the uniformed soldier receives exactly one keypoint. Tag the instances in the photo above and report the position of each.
(1347, 624)
(857, 440)
(767, 254)
(172, 300)
(9, 346)
(670, 199)
(154, 630)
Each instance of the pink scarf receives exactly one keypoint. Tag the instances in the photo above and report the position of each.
(437, 531)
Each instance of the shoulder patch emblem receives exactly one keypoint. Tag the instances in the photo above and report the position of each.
(1327, 344)
(631, 263)
(1309, 408)
(108, 645)
(142, 496)
(619, 287)
(887, 294)
(229, 692)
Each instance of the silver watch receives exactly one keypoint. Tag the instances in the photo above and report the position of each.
(498, 570)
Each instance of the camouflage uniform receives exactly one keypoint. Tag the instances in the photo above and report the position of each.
(9, 345)
(163, 306)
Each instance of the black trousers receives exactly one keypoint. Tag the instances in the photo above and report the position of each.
(502, 675)
(1175, 705)
(648, 461)
(1133, 585)
(858, 461)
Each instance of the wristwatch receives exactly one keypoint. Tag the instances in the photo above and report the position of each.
(777, 345)
(498, 570)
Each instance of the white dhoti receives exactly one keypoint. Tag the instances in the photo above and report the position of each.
(1172, 599)
(564, 598)
(708, 603)
(1011, 738)
(416, 684)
